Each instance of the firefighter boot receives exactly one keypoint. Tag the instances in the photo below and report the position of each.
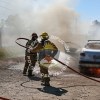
(24, 71)
(47, 81)
(29, 72)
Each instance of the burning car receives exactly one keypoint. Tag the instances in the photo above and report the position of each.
(89, 62)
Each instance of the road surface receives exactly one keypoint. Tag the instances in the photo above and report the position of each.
(65, 84)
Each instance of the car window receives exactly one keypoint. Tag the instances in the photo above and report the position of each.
(93, 46)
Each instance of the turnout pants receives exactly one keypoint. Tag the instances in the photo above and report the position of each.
(30, 61)
(45, 75)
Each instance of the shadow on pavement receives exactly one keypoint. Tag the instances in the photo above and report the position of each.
(53, 90)
(35, 78)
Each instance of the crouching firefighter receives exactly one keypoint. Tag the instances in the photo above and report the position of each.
(47, 53)
(30, 57)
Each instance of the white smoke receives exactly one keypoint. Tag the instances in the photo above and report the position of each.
(94, 31)
(29, 16)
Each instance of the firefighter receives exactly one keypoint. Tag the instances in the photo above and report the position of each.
(30, 57)
(48, 51)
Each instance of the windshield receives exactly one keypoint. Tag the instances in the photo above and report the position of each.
(93, 46)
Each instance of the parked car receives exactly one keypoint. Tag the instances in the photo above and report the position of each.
(89, 61)
(72, 49)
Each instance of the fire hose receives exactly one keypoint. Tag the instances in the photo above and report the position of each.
(60, 62)
(21, 44)
(2, 98)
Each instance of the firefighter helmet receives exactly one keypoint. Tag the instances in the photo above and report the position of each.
(44, 35)
(34, 35)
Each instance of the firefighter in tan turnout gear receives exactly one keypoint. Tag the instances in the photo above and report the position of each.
(30, 57)
(48, 51)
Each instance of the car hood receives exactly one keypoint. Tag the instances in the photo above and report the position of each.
(90, 50)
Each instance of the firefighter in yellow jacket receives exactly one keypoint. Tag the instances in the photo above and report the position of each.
(48, 51)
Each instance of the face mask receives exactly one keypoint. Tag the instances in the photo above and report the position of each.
(34, 38)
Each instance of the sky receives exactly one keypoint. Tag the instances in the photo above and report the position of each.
(87, 9)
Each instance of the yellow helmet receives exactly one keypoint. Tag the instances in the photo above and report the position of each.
(45, 35)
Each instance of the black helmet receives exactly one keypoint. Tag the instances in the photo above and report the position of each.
(34, 36)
